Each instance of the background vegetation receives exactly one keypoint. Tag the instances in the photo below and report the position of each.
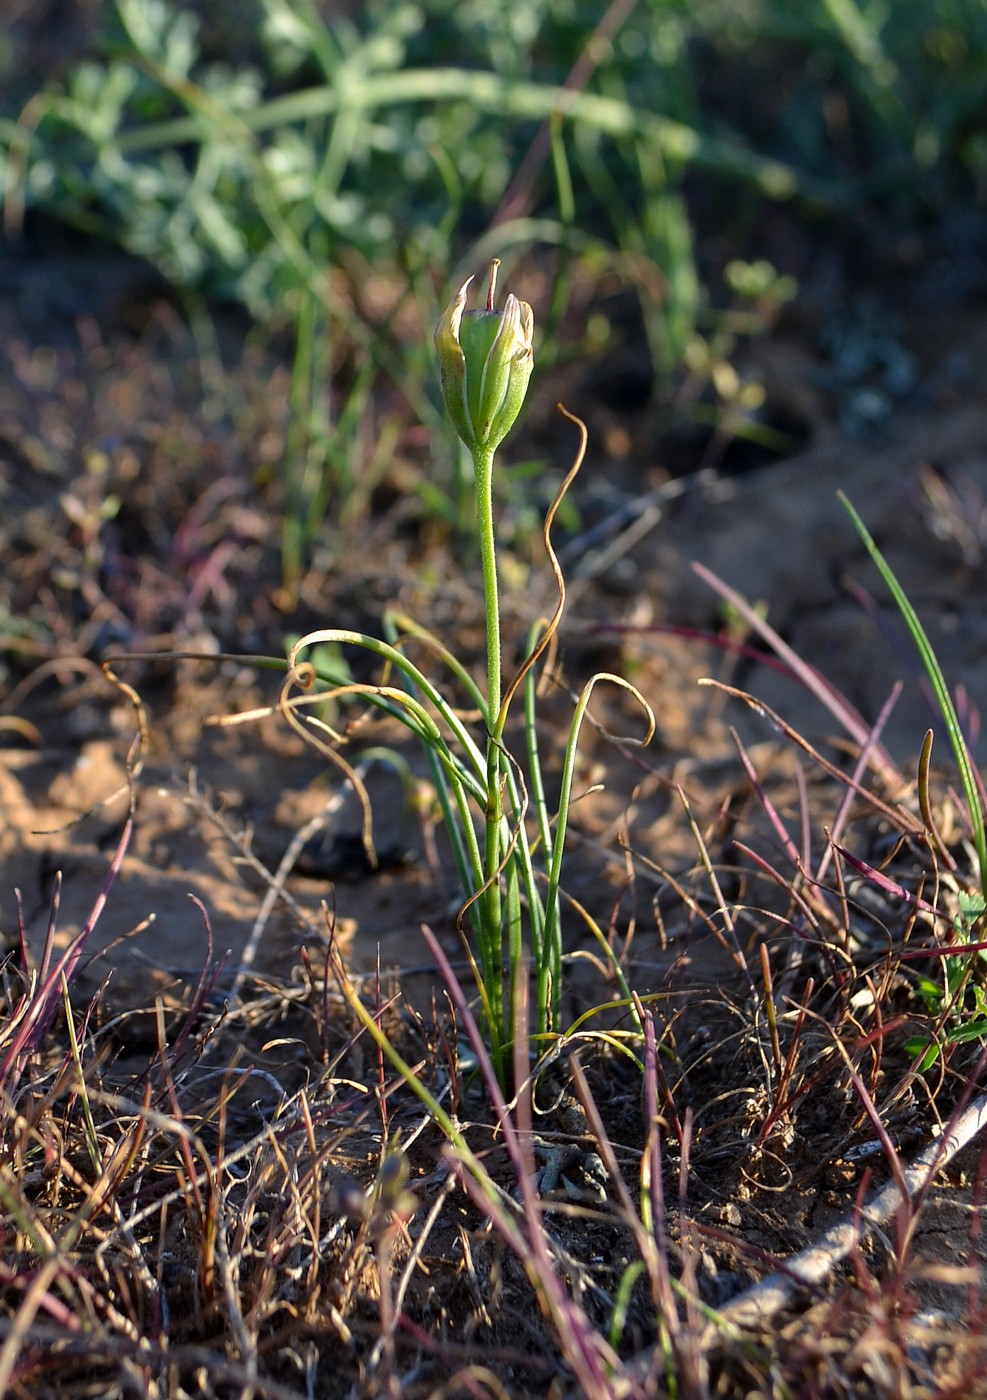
(333, 171)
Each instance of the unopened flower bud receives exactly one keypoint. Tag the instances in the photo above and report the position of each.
(485, 360)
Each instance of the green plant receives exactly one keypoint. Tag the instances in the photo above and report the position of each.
(510, 877)
(958, 1000)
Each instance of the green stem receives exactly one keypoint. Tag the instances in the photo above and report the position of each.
(492, 910)
(483, 464)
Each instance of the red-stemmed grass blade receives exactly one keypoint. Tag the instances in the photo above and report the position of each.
(856, 779)
(204, 987)
(684, 1364)
(781, 1102)
(893, 814)
(898, 891)
(770, 811)
(783, 883)
(883, 1136)
(31, 1020)
(678, 1359)
(802, 890)
(813, 681)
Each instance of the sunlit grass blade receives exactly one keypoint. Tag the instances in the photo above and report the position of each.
(944, 700)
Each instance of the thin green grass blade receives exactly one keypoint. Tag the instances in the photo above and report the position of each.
(938, 682)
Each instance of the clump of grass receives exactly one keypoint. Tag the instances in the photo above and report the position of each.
(33, 1006)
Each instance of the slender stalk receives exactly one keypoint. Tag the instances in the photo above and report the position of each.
(492, 916)
(483, 463)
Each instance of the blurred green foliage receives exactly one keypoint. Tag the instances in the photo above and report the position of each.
(259, 154)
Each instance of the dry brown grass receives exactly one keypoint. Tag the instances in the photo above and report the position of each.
(181, 1223)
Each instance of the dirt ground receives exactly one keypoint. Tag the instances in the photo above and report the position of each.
(139, 509)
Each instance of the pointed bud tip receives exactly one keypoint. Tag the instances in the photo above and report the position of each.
(485, 357)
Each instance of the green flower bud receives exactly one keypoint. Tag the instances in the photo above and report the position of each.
(485, 360)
